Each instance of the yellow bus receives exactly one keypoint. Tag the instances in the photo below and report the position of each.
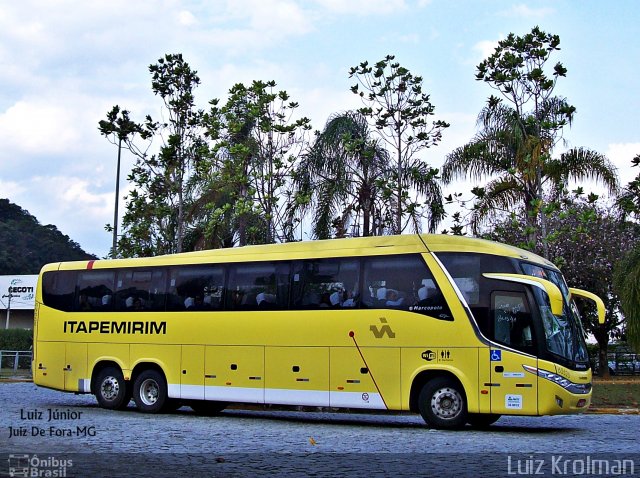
(460, 330)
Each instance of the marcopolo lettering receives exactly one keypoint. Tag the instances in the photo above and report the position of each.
(114, 327)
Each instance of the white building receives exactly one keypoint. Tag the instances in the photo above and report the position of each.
(17, 301)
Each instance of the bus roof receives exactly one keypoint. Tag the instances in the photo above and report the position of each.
(377, 245)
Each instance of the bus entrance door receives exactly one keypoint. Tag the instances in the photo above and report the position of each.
(513, 390)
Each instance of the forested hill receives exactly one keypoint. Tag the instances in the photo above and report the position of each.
(26, 245)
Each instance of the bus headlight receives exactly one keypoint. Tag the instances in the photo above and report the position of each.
(577, 388)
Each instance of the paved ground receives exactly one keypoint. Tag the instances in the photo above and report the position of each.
(67, 429)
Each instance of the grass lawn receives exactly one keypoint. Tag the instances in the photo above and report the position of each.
(616, 392)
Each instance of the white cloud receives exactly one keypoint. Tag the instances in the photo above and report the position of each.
(483, 49)
(363, 7)
(186, 18)
(523, 11)
(32, 126)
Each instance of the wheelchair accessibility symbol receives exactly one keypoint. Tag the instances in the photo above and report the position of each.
(496, 355)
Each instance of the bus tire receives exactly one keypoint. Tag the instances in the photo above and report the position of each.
(150, 391)
(442, 404)
(111, 390)
(207, 407)
(482, 420)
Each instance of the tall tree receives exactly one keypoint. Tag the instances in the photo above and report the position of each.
(257, 144)
(627, 272)
(515, 142)
(627, 283)
(629, 199)
(121, 130)
(342, 176)
(501, 151)
(400, 112)
(154, 222)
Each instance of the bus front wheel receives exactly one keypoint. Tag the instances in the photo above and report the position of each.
(150, 391)
(111, 390)
(442, 404)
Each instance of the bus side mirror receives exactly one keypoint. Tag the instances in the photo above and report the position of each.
(590, 296)
(552, 290)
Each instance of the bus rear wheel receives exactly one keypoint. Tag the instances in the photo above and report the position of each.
(111, 390)
(442, 404)
(150, 391)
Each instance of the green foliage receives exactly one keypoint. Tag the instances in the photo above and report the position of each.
(400, 112)
(342, 178)
(512, 149)
(247, 179)
(26, 245)
(585, 239)
(16, 339)
(627, 285)
(155, 218)
(629, 199)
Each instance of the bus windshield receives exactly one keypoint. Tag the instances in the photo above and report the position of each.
(564, 335)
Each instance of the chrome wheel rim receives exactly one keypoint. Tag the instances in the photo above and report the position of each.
(446, 403)
(109, 388)
(149, 392)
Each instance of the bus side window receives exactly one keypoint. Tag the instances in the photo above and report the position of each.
(196, 288)
(258, 286)
(403, 282)
(139, 290)
(94, 291)
(325, 284)
(59, 289)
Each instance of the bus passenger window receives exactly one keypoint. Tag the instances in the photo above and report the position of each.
(95, 291)
(325, 284)
(196, 288)
(403, 282)
(258, 285)
(141, 290)
(58, 289)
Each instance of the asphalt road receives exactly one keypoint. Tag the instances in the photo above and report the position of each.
(53, 431)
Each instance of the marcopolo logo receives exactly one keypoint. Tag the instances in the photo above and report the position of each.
(27, 466)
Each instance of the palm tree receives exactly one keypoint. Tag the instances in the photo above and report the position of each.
(341, 178)
(626, 278)
(514, 154)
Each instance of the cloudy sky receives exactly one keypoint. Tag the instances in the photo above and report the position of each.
(65, 63)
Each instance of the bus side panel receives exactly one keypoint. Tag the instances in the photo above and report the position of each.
(462, 362)
(515, 391)
(484, 381)
(352, 378)
(166, 356)
(118, 353)
(234, 373)
(192, 372)
(297, 376)
(76, 367)
(49, 366)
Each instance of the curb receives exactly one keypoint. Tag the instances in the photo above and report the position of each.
(614, 411)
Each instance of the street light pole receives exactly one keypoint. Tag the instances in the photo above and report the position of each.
(9, 295)
(115, 214)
